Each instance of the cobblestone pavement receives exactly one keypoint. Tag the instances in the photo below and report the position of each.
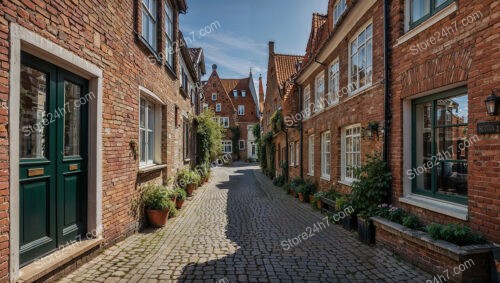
(232, 232)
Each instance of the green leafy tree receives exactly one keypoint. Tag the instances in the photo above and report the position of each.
(236, 134)
(209, 134)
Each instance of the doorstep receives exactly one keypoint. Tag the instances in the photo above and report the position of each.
(32, 272)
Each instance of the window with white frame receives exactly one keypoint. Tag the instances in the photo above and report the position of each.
(307, 101)
(291, 152)
(224, 121)
(338, 10)
(169, 32)
(217, 107)
(205, 106)
(147, 132)
(297, 153)
(227, 147)
(214, 96)
(149, 22)
(243, 93)
(241, 144)
(333, 83)
(235, 93)
(361, 60)
(320, 91)
(241, 110)
(310, 161)
(351, 151)
(325, 155)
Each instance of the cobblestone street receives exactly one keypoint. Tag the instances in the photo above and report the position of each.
(233, 229)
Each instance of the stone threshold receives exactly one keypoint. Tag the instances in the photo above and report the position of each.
(67, 256)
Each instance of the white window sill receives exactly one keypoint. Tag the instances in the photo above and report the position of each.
(345, 182)
(310, 174)
(151, 168)
(326, 178)
(440, 206)
(427, 23)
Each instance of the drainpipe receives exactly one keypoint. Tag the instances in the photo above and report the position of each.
(301, 136)
(387, 110)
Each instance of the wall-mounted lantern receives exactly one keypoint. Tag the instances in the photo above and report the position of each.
(491, 104)
(372, 130)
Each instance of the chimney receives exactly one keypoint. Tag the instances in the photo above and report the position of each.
(261, 95)
(271, 47)
(214, 67)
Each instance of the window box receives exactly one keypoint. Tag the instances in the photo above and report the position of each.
(420, 249)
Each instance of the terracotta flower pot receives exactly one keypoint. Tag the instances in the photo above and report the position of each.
(157, 218)
(292, 192)
(179, 203)
(302, 197)
(173, 198)
(190, 189)
(319, 204)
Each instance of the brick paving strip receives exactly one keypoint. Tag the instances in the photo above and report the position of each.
(233, 229)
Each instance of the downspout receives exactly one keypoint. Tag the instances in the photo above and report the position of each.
(387, 111)
(301, 136)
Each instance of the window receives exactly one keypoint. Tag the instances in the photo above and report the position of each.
(361, 60)
(243, 93)
(325, 155)
(351, 151)
(224, 121)
(185, 141)
(333, 83)
(307, 101)
(440, 146)
(291, 152)
(310, 160)
(297, 153)
(241, 110)
(184, 81)
(235, 93)
(205, 106)
(217, 107)
(149, 22)
(338, 10)
(169, 32)
(241, 144)
(227, 147)
(420, 10)
(320, 91)
(214, 96)
(147, 132)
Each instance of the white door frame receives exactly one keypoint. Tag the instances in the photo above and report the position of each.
(22, 39)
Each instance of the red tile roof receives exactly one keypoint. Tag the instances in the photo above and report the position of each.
(317, 37)
(286, 67)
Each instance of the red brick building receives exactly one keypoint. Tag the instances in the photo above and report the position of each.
(96, 102)
(280, 97)
(235, 104)
(444, 65)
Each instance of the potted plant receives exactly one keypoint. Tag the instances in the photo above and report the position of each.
(188, 180)
(366, 229)
(294, 185)
(317, 199)
(157, 204)
(181, 197)
(302, 192)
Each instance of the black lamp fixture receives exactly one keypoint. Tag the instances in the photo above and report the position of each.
(372, 130)
(491, 104)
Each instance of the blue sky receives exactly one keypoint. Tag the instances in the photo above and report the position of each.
(239, 41)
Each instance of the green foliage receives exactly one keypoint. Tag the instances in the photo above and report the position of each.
(187, 177)
(181, 194)
(256, 131)
(272, 155)
(411, 221)
(372, 185)
(307, 188)
(391, 213)
(279, 181)
(343, 202)
(156, 197)
(277, 121)
(209, 134)
(235, 139)
(296, 182)
(173, 212)
(453, 233)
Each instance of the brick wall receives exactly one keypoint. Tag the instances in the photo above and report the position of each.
(103, 33)
(467, 56)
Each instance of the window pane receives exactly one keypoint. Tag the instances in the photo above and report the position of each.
(452, 110)
(422, 146)
(72, 121)
(33, 113)
(452, 143)
(452, 178)
(142, 143)
(439, 3)
(150, 146)
(419, 8)
(151, 117)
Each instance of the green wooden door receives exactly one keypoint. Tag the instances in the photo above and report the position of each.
(53, 157)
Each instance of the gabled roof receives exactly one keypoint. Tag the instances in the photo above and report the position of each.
(318, 35)
(230, 84)
(286, 66)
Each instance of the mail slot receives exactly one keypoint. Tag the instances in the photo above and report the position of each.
(35, 172)
(73, 167)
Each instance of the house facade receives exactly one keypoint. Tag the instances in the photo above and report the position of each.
(95, 100)
(443, 69)
(235, 104)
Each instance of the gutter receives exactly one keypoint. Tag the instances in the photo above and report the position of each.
(301, 135)
(387, 110)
